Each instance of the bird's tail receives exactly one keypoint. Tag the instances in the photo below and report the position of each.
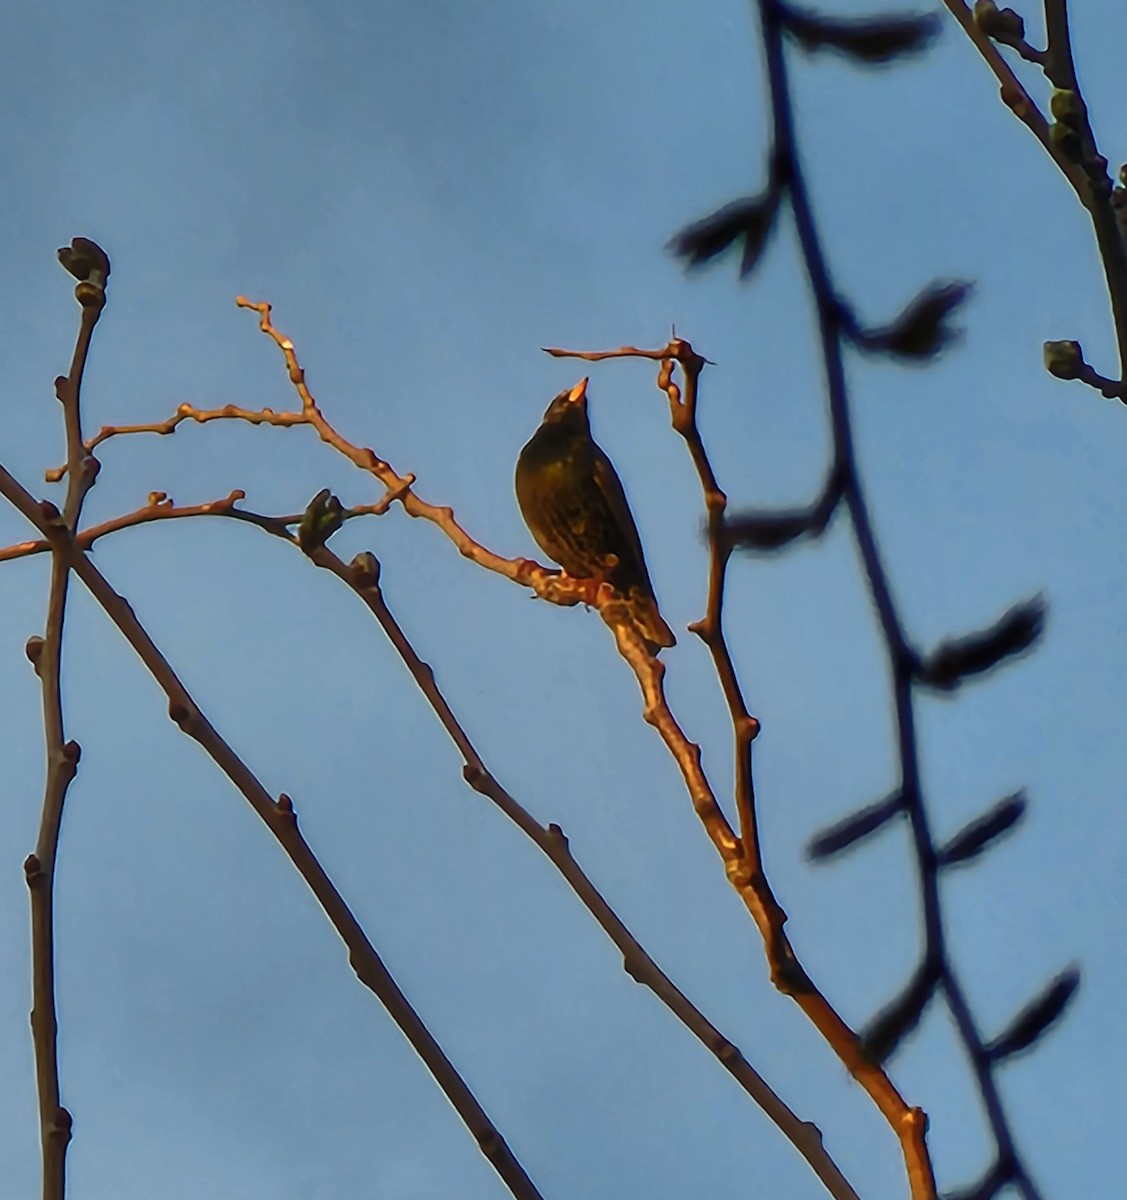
(647, 620)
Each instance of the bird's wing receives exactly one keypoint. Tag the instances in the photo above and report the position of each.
(608, 483)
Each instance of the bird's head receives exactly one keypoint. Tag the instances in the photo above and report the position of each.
(569, 409)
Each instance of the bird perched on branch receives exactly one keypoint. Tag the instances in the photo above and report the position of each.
(573, 504)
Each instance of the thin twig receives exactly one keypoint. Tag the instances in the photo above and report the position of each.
(160, 508)
(187, 412)
(1013, 94)
(55, 1121)
(745, 727)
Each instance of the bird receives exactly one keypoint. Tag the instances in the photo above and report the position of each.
(575, 507)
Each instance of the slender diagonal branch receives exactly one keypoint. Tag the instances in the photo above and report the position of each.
(280, 819)
(364, 578)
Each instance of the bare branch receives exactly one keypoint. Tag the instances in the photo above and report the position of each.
(1070, 142)
(90, 266)
(835, 327)
(742, 855)
(280, 819)
(363, 576)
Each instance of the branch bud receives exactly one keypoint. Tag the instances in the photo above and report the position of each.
(1004, 25)
(1066, 108)
(1063, 359)
(365, 570)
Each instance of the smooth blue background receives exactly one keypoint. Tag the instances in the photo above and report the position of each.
(428, 193)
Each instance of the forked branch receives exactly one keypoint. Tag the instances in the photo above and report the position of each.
(1071, 143)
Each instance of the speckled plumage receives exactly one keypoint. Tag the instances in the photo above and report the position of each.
(574, 506)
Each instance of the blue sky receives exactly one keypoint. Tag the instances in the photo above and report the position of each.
(428, 193)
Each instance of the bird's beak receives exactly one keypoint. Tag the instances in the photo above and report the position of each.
(578, 393)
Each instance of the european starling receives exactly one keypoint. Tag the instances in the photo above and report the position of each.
(573, 504)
